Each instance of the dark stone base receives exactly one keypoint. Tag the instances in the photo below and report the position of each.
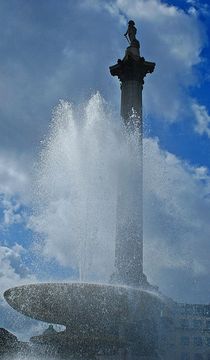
(63, 344)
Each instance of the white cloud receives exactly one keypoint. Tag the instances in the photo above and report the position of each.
(13, 272)
(202, 173)
(202, 117)
(176, 214)
(14, 190)
(12, 213)
(13, 177)
(198, 7)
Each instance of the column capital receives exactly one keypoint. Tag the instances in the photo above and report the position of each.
(131, 68)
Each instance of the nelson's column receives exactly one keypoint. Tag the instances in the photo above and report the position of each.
(131, 71)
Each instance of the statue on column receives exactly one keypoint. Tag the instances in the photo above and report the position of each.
(134, 48)
(131, 31)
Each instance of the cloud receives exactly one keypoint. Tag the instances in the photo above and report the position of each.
(14, 190)
(11, 213)
(198, 7)
(13, 271)
(202, 173)
(176, 214)
(13, 177)
(202, 117)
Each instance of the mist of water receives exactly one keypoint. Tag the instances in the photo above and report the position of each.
(83, 159)
(77, 180)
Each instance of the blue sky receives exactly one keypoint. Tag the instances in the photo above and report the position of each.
(63, 50)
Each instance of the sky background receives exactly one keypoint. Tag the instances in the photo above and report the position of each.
(54, 50)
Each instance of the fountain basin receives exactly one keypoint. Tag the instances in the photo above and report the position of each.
(66, 303)
(81, 303)
(98, 317)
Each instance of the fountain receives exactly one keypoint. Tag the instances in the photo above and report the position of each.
(116, 319)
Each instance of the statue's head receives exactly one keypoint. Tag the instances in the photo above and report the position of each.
(131, 22)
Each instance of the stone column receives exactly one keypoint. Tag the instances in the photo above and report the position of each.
(131, 100)
(129, 230)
